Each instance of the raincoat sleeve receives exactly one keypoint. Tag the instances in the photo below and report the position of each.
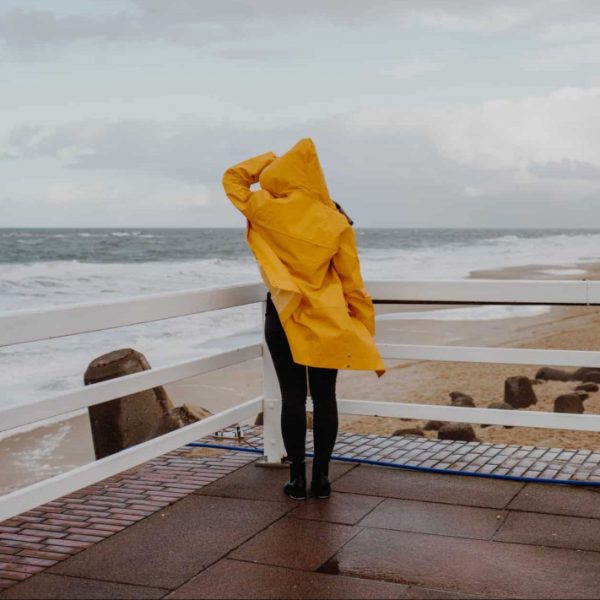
(238, 179)
(347, 266)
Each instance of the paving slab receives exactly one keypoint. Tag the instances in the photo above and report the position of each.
(338, 508)
(264, 483)
(46, 585)
(471, 566)
(296, 543)
(551, 530)
(173, 545)
(431, 517)
(408, 485)
(421, 593)
(236, 579)
(558, 499)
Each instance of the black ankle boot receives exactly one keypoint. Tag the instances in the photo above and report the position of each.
(295, 488)
(320, 486)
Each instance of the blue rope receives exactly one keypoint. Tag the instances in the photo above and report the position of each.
(367, 461)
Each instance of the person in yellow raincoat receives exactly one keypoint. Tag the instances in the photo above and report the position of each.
(319, 316)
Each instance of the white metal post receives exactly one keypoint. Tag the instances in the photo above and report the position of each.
(273, 448)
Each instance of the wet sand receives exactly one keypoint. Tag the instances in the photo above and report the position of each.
(45, 451)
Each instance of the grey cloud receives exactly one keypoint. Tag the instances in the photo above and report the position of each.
(381, 180)
(204, 22)
(184, 149)
(566, 169)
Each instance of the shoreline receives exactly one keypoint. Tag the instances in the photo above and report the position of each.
(38, 452)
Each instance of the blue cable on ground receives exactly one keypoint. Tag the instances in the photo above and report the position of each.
(415, 468)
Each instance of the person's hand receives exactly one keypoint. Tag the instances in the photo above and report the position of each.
(344, 213)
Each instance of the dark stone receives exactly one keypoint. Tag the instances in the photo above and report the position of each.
(457, 431)
(518, 392)
(552, 374)
(587, 387)
(536, 381)
(178, 417)
(592, 377)
(580, 374)
(129, 420)
(455, 395)
(583, 395)
(432, 425)
(568, 403)
(464, 402)
(309, 419)
(460, 399)
(409, 431)
(500, 406)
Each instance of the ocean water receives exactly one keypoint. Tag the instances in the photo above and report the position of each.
(49, 267)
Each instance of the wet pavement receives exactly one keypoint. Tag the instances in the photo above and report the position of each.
(384, 533)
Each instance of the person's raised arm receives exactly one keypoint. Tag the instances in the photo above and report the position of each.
(347, 266)
(238, 179)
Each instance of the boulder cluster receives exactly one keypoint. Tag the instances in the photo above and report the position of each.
(518, 393)
(573, 401)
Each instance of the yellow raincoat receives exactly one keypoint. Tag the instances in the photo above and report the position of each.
(307, 257)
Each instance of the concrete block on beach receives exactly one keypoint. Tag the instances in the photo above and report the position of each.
(587, 387)
(461, 399)
(135, 418)
(582, 373)
(591, 377)
(410, 431)
(552, 374)
(432, 425)
(518, 392)
(499, 406)
(569, 403)
(458, 432)
(177, 417)
(309, 419)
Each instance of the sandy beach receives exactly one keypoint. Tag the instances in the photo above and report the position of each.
(39, 453)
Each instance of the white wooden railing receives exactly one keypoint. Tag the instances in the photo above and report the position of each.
(33, 325)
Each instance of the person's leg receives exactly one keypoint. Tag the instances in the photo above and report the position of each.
(293, 384)
(322, 384)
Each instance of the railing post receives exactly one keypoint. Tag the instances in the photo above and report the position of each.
(273, 448)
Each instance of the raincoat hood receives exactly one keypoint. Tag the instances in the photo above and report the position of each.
(298, 170)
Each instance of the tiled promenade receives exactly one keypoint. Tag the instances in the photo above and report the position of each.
(186, 526)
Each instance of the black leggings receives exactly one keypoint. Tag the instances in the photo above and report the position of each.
(293, 384)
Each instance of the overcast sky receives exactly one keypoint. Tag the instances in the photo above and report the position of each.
(425, 113)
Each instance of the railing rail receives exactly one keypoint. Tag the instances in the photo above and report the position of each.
(31, 325)
(13, 416)
(43, 491)
(18, 327)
